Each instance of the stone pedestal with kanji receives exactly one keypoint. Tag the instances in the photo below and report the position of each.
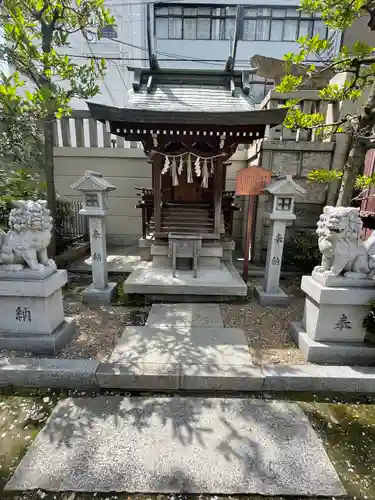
(338, 293)
(282, 193)
(32, 315)
(95, 190)
(31, 304)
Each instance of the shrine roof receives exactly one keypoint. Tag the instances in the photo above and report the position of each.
(189, 97)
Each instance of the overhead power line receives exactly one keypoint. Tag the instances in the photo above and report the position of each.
(129, 4)
(119, 72)
(168, 54)
(105, 85)
(145, 59)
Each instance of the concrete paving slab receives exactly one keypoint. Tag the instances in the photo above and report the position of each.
(177, 445)
(315, 378)
(184, 344)
(184, 314)
(159, 280)
(120, 260)
(230, 378)
(141, 376)
(42, 372)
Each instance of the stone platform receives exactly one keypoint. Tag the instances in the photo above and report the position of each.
(152, 280)
(181, 345)
(177, 445)
(185, 342)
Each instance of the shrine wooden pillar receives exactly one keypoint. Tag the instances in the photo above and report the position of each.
(157, 164)
(218, 193)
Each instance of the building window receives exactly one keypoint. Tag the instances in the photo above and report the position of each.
(194, 22)
(280, 25)
(217, 22)
(108, 32)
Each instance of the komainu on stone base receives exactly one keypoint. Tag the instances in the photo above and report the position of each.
(339, 292)
(31, 304)
(26, 242)
(343, 251)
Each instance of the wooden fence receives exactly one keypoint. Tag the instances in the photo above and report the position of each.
(81, 131)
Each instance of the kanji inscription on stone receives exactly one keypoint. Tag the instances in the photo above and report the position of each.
(278, 238)
(96, 234)
(343, 323)
(275, 261)
(97, 257)
(23, 314)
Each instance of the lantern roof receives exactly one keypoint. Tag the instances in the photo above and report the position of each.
(93, 182)
(285, 186)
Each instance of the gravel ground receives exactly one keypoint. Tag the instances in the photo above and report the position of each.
(98, 326)
(267, 327)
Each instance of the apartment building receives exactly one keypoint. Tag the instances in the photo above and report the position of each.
(194, 34)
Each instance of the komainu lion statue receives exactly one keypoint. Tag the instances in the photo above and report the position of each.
(343, 250)
(26, 242)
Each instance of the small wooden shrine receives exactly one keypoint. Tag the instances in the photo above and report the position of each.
(190, 123)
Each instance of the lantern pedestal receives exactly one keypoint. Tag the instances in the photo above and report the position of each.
(95, 190)
(99, 295)
(282, 193)
(276, 298)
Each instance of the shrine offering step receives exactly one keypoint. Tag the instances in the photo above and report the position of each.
(177, 445)
(158, 280)
(162, 315)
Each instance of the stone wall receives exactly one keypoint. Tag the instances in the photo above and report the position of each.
(296, 158)
(125, 168)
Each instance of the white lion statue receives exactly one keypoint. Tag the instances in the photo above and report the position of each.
(26, 242)
(343, 250)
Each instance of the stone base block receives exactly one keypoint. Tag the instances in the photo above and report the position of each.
(335, 314)
(228, 245)
(334, 353)
(342, 282)
(342, 296)
(145, 253)
(30, 307)
(40, 343)
(103, 296)
(264, 298)
(144, 247)
(227, 256)
(25, 274)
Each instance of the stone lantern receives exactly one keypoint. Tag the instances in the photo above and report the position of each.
(95, 191)
(281, 193)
